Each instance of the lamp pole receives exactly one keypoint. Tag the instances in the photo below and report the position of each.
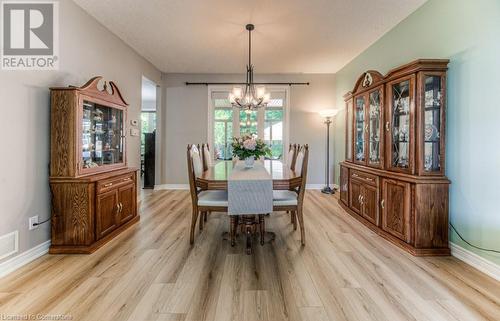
(327, 189)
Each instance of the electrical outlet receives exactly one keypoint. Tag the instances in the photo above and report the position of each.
(31, 221)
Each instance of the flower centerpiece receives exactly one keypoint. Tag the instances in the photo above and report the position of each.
(249, 148)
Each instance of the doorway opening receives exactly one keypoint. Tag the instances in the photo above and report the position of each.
(148, 133)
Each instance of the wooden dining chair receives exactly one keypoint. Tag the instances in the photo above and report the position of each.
(293, 200)
(202, 201)
(207, 159)
(291, 156)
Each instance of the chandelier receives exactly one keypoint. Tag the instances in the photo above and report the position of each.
(251, 97)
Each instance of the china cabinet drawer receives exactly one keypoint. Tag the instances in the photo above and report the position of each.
(111, 183)
(365, 177)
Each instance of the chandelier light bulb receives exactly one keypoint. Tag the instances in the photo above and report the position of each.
(266, 98)
(260, 91)
(237, 92)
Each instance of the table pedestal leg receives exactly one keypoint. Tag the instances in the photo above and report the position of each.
(233, 225)
(262, 229)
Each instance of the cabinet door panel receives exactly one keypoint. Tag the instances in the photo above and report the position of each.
(106, 213)
(344, 184)
(370, 203)
(127, 198)
(396, 208)
(400, 127)
(355, 196)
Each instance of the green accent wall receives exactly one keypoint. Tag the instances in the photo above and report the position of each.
(468, 33)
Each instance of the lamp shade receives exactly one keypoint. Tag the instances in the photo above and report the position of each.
(328, 113)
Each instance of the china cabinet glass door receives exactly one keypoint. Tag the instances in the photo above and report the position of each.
(432, 123)
(360, 127)
(348, 147)
(102, 135)
(374, 132)
(399, 125)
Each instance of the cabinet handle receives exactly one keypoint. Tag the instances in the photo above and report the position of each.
(121, 207)
(359, 198)
(108, 185)
(382, 203)
(127, 179)
(366, 128)
(117, 208)
(369, 179)
(387, 126)
(355, 175)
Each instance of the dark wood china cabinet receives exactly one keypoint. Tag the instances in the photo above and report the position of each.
(93, 191)
(393, 179)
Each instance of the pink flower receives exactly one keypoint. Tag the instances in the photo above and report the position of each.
(249, 144)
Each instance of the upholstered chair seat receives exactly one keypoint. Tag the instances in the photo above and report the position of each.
(212, 198)
(284, 198)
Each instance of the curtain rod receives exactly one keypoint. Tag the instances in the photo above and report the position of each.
(242, 83)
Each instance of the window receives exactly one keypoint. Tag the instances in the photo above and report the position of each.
(249, 122)
(226, 122)
(273, 131)
(223, 132)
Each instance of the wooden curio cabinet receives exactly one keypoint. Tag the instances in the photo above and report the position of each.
(393, 178)
(93, 190)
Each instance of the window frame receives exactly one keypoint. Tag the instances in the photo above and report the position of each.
(260, 116)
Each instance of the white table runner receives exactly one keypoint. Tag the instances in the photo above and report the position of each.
(250, 190)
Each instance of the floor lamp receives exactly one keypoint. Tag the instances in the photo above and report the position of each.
(328, 114)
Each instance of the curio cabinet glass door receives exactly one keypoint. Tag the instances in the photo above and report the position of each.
(375, 134)
(348, 126)
(400, 125)
(431, 131)
(102, 136)
(360, 129)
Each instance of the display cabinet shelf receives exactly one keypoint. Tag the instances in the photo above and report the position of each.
(393, 178)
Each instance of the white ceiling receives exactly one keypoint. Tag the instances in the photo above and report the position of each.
(209, 36)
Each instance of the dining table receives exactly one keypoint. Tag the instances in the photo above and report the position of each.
(216, 178)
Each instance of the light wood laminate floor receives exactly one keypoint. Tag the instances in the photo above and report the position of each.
(345, 272)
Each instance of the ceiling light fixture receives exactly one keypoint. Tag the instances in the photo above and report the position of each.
(252, 96)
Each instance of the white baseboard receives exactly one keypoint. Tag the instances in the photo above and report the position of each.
(320, 186)
(24, 258)
(171, 186)
(186, 186)
(476, 261)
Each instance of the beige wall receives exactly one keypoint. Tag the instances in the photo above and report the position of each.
(86, 49)
(185, 118)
